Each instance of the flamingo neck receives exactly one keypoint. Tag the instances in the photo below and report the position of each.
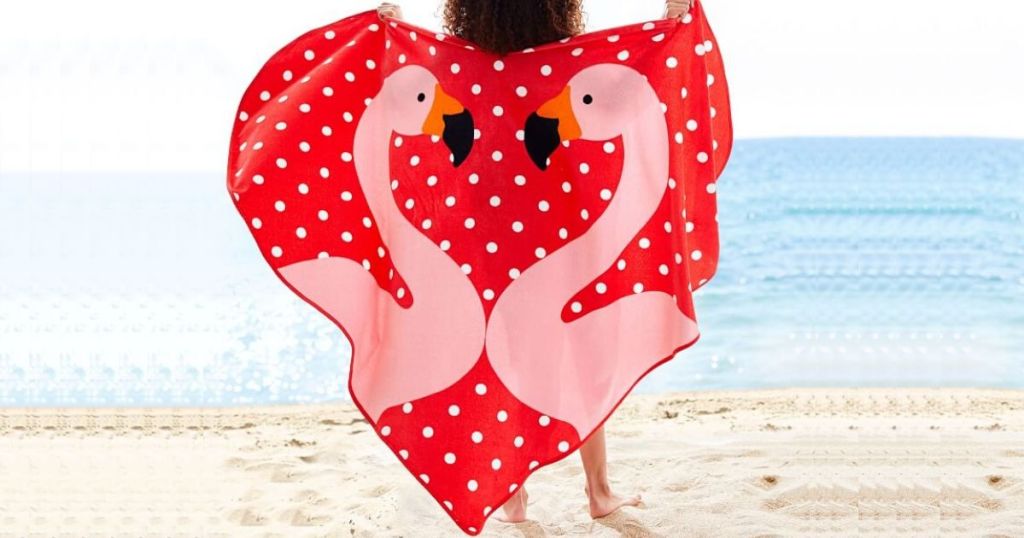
(414, 255)
(639, 192)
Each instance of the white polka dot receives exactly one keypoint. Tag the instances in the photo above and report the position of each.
(476, 89)
(689, 227)
(428, 432)
(425, 478)
(477, 437)
(576, 307)
(623, 56)
(502, 415)
(413, 161)
(609, 147)
(499, 65)
(663, 269)
(492, 247)
(276, 251)
(498, 111)
(683, 93)
(445, 245)
(620, 265)
(257, 223)
(545, 70)
(699, 49)
(601, 287)
(346, 196)
(702, 157)
(322, 215)
(304, 147)
(544, 420)
(264, 95)
(281, 163)
(488, 294)
(385, 431)
(257, 179)
(606, 194)
(497, 156)
(584, 168)
(449, 458)
(540, 252)
(711, 79)
(513, 273)
(521, 91)
(495, 464)
(691, 125)
(407, 406)
(456, 68)
(329, 34)
(533, 465)
(300, 232)
(404, 454)
(326, 130)
(448, 505)
(613, 38)
(325, 172)
(474, 179)
(472, 485)
(543, 206)
(648, 26)
(520, 180)
(658, 38)
(696, 255)
(644, 242)
(480, 389)
(454, 410)
(328, 91)
(470, 223)
(466, 268)
(346, 237)
(243, 116)
(672, 62)
(348, 117)
(563, 446)
(679, 138)
(309, 55)
(279, 206)
(638, 288)
(712, 188)
(563, 233)
(518, 441)
(517, 226)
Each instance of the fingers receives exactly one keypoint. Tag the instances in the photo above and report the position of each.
(675, 9)
(388, 10)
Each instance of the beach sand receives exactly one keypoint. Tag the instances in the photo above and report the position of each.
(835, 462)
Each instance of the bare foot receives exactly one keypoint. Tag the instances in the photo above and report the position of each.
(604, 502)
(515, 507)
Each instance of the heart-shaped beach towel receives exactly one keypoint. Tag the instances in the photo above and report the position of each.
(510, 243)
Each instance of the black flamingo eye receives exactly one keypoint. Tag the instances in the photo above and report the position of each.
(587, 99)
(421, 97)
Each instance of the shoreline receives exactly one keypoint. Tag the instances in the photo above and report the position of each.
(723, 463)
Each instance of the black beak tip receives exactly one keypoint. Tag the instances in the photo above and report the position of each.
(541, 138)
(459, 134)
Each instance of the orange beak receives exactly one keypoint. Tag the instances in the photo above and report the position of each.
(444, 105)
(560, 108)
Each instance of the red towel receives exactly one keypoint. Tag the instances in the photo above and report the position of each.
(509, 243)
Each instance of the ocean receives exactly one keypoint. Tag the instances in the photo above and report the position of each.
(845, 262)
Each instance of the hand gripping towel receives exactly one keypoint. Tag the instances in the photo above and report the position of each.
(509, 243)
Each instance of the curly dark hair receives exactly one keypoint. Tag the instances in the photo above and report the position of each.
(504, 26)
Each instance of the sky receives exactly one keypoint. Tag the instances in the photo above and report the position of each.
(120, 85)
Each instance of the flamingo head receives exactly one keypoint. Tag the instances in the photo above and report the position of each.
(597, 104)
(416, 104)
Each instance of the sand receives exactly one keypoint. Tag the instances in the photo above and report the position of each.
(778, 463)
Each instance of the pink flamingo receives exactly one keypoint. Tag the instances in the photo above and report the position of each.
(401, 354)
(578, 371)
